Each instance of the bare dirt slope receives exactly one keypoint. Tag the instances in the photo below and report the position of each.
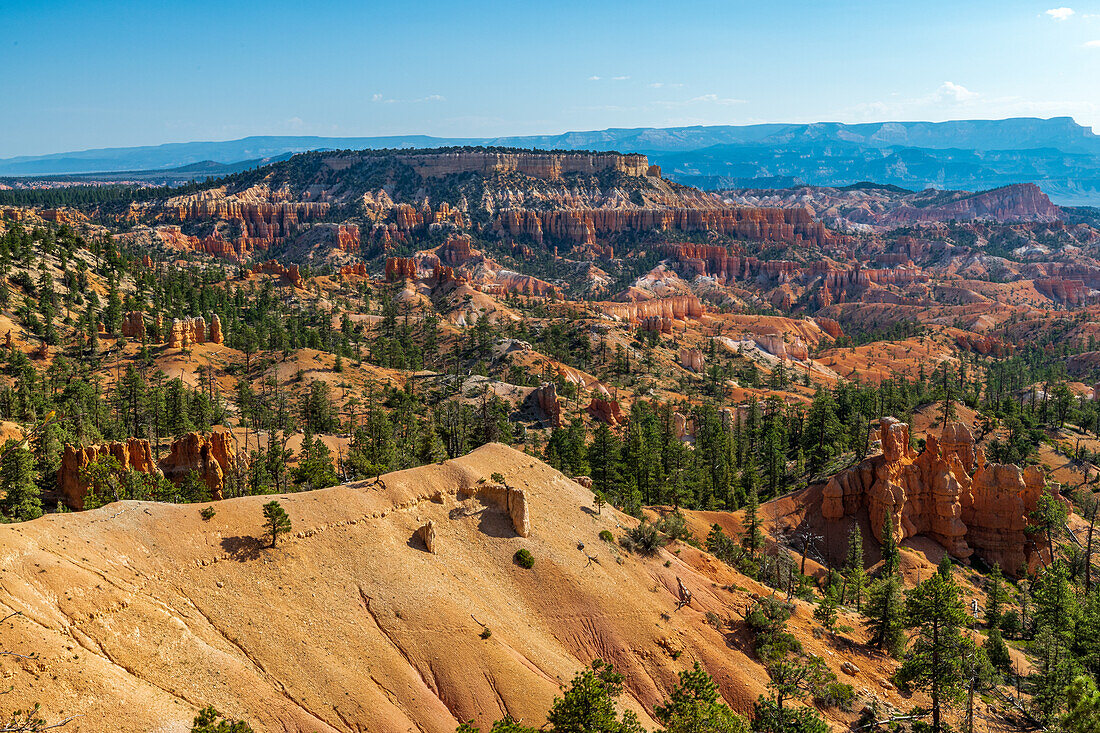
(141, 613)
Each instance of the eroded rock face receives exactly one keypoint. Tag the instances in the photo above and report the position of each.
(692, 359)
(132, 455)
(188, 331)
(291, 274)
(133, 325)
(606, 411)
(400, 268)
(657, 314)
(427, 535)
(212, 458)
(546, 396)
(511, 501)
(946, 492)
(216, 336)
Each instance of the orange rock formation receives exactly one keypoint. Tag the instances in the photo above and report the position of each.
(947, 492)
(132, 455)
(211, 458)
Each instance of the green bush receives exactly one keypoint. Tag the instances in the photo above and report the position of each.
(835, 695)
(207, 513)
(767, 717)
(643, 539)
(524, 559)
(606, 536)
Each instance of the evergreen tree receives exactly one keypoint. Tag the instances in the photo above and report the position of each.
(891, 555)
(603, 458)
(588, 706)
(885, 612)
(752, 538)
(695, 707)
(854, 572)
(21, 501)
(995, 596)
(935, 659)
(276, 519)
(1083, 714)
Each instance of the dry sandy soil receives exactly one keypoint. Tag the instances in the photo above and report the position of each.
(141, 613)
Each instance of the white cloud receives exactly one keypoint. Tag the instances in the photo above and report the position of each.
(664, 84)
(1060, 13)
(619, 78)
(376, 98)
(949, 91)
(594, 78)
(1092, 44)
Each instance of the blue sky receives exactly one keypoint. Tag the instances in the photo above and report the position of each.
(77, 75)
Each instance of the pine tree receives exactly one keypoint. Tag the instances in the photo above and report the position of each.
(997, 650)
(752, 539)
(935, 659)
(695, 707)
(995, 597)
(277, 520)
(891, 555)
(588, 706)
(825, 612)
(885, 612)
(21, 500)
(603, 458)
(854, 572)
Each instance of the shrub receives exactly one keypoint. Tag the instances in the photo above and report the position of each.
(207, 513)
(768, 615)
(675, 526)
(835, 695)
(606, 536)
(643, 539)
(524, 559)
(497, 477)
(486, 632)
(767, 717)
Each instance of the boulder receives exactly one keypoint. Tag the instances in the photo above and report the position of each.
(427, 535)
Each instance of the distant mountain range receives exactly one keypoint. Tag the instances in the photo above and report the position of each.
(1057, 154)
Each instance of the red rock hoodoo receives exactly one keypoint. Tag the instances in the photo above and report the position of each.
(947, 492)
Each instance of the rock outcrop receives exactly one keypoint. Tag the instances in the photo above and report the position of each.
(692, 359)
(947, 492)
(605, 410)
(1069, 292)
(659, 314)
(290, 274)
(187, 332)
(513, 502)
(211, 458)
(582, 226)
(133, 325)
(426, 533)
(546, 397)
(216, 336)
(132, 455)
